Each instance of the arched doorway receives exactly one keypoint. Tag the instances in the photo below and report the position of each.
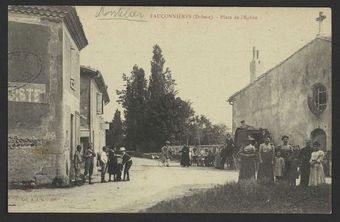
(320, 136)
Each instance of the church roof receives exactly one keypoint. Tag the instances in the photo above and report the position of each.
(324, 38)
(68, 14)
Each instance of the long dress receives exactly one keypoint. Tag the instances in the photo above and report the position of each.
(266, 167)
(286, 152)
(279, 167)
(217, 159)
(304, 156)
(112, 163)
(185, 159)
(247, 163)
(316, 175)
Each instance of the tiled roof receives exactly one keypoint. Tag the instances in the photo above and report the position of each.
(98, 77)
(67, 13)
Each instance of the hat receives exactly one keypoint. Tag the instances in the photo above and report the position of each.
(167, 142)
(249, 138)
(284, 136)
(122, 149)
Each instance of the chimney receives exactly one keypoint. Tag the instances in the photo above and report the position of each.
(255, 65)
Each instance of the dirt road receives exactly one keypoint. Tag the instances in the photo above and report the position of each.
(149, 184)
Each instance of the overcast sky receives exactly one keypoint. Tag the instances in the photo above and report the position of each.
(209, 59)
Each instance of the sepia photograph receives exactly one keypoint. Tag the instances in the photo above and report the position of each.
(145, 109)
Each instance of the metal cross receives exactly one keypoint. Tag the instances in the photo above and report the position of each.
(320, 19)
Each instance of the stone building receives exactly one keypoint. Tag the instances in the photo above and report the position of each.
(93, 97)
(294, 98)
(44, 43)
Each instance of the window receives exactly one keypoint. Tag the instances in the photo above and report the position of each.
(99, 104)
(73, 68)
(318, 100)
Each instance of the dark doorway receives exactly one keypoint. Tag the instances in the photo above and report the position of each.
(320, 136)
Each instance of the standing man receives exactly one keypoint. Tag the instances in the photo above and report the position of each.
(230, 146)
(77, 159)
(244, 125)
(304, 157)
(103, 164)
(127, 163)
(89, 162)
(166, 152)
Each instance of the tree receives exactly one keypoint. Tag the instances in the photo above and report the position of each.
(133, 99)
(115, 134)
(154, 113)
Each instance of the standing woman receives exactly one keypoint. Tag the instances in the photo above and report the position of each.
(112, 164)
(247, 156)
(266, 157)
(286, 151)
(185, 159)
(316, 176)
(217, 160)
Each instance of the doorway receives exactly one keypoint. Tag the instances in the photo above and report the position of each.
(320, 136)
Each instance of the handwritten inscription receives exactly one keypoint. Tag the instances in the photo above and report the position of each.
(122, 13)
(26, 92)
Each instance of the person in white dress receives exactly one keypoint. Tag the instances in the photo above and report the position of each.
(316, 175)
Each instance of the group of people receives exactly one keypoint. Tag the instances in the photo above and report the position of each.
(111, 161)
(282, 163)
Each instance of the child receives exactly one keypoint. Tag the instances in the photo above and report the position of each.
(279, 167)
(293, 173)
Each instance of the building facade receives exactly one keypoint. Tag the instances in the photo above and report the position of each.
(93, 98)
(294, 98)
(44, 43)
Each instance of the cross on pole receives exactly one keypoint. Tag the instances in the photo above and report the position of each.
(320, 19)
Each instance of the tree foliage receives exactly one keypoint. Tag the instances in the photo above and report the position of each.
(115, 133)
(154, 113)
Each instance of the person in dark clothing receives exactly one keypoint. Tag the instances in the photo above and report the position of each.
(304, 157)
(230, 147)
(89, 162)
(127, 163)
(185, 159)
(119, 166)
(112, 165)
(223, 157)
(209, 160)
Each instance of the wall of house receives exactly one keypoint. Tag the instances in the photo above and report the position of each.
(70, 103)
(34, 98)
(97, 130)
(84, 102)
(279, 100)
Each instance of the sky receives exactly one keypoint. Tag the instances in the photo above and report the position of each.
(208, 50)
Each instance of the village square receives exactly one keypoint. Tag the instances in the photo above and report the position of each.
(164, 113)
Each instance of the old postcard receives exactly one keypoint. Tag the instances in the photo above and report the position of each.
(169, 109)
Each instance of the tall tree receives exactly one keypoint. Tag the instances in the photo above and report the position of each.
(115, 134)
(133, 100)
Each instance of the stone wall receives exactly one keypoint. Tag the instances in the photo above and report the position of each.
(35, 95)
(278, 100)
